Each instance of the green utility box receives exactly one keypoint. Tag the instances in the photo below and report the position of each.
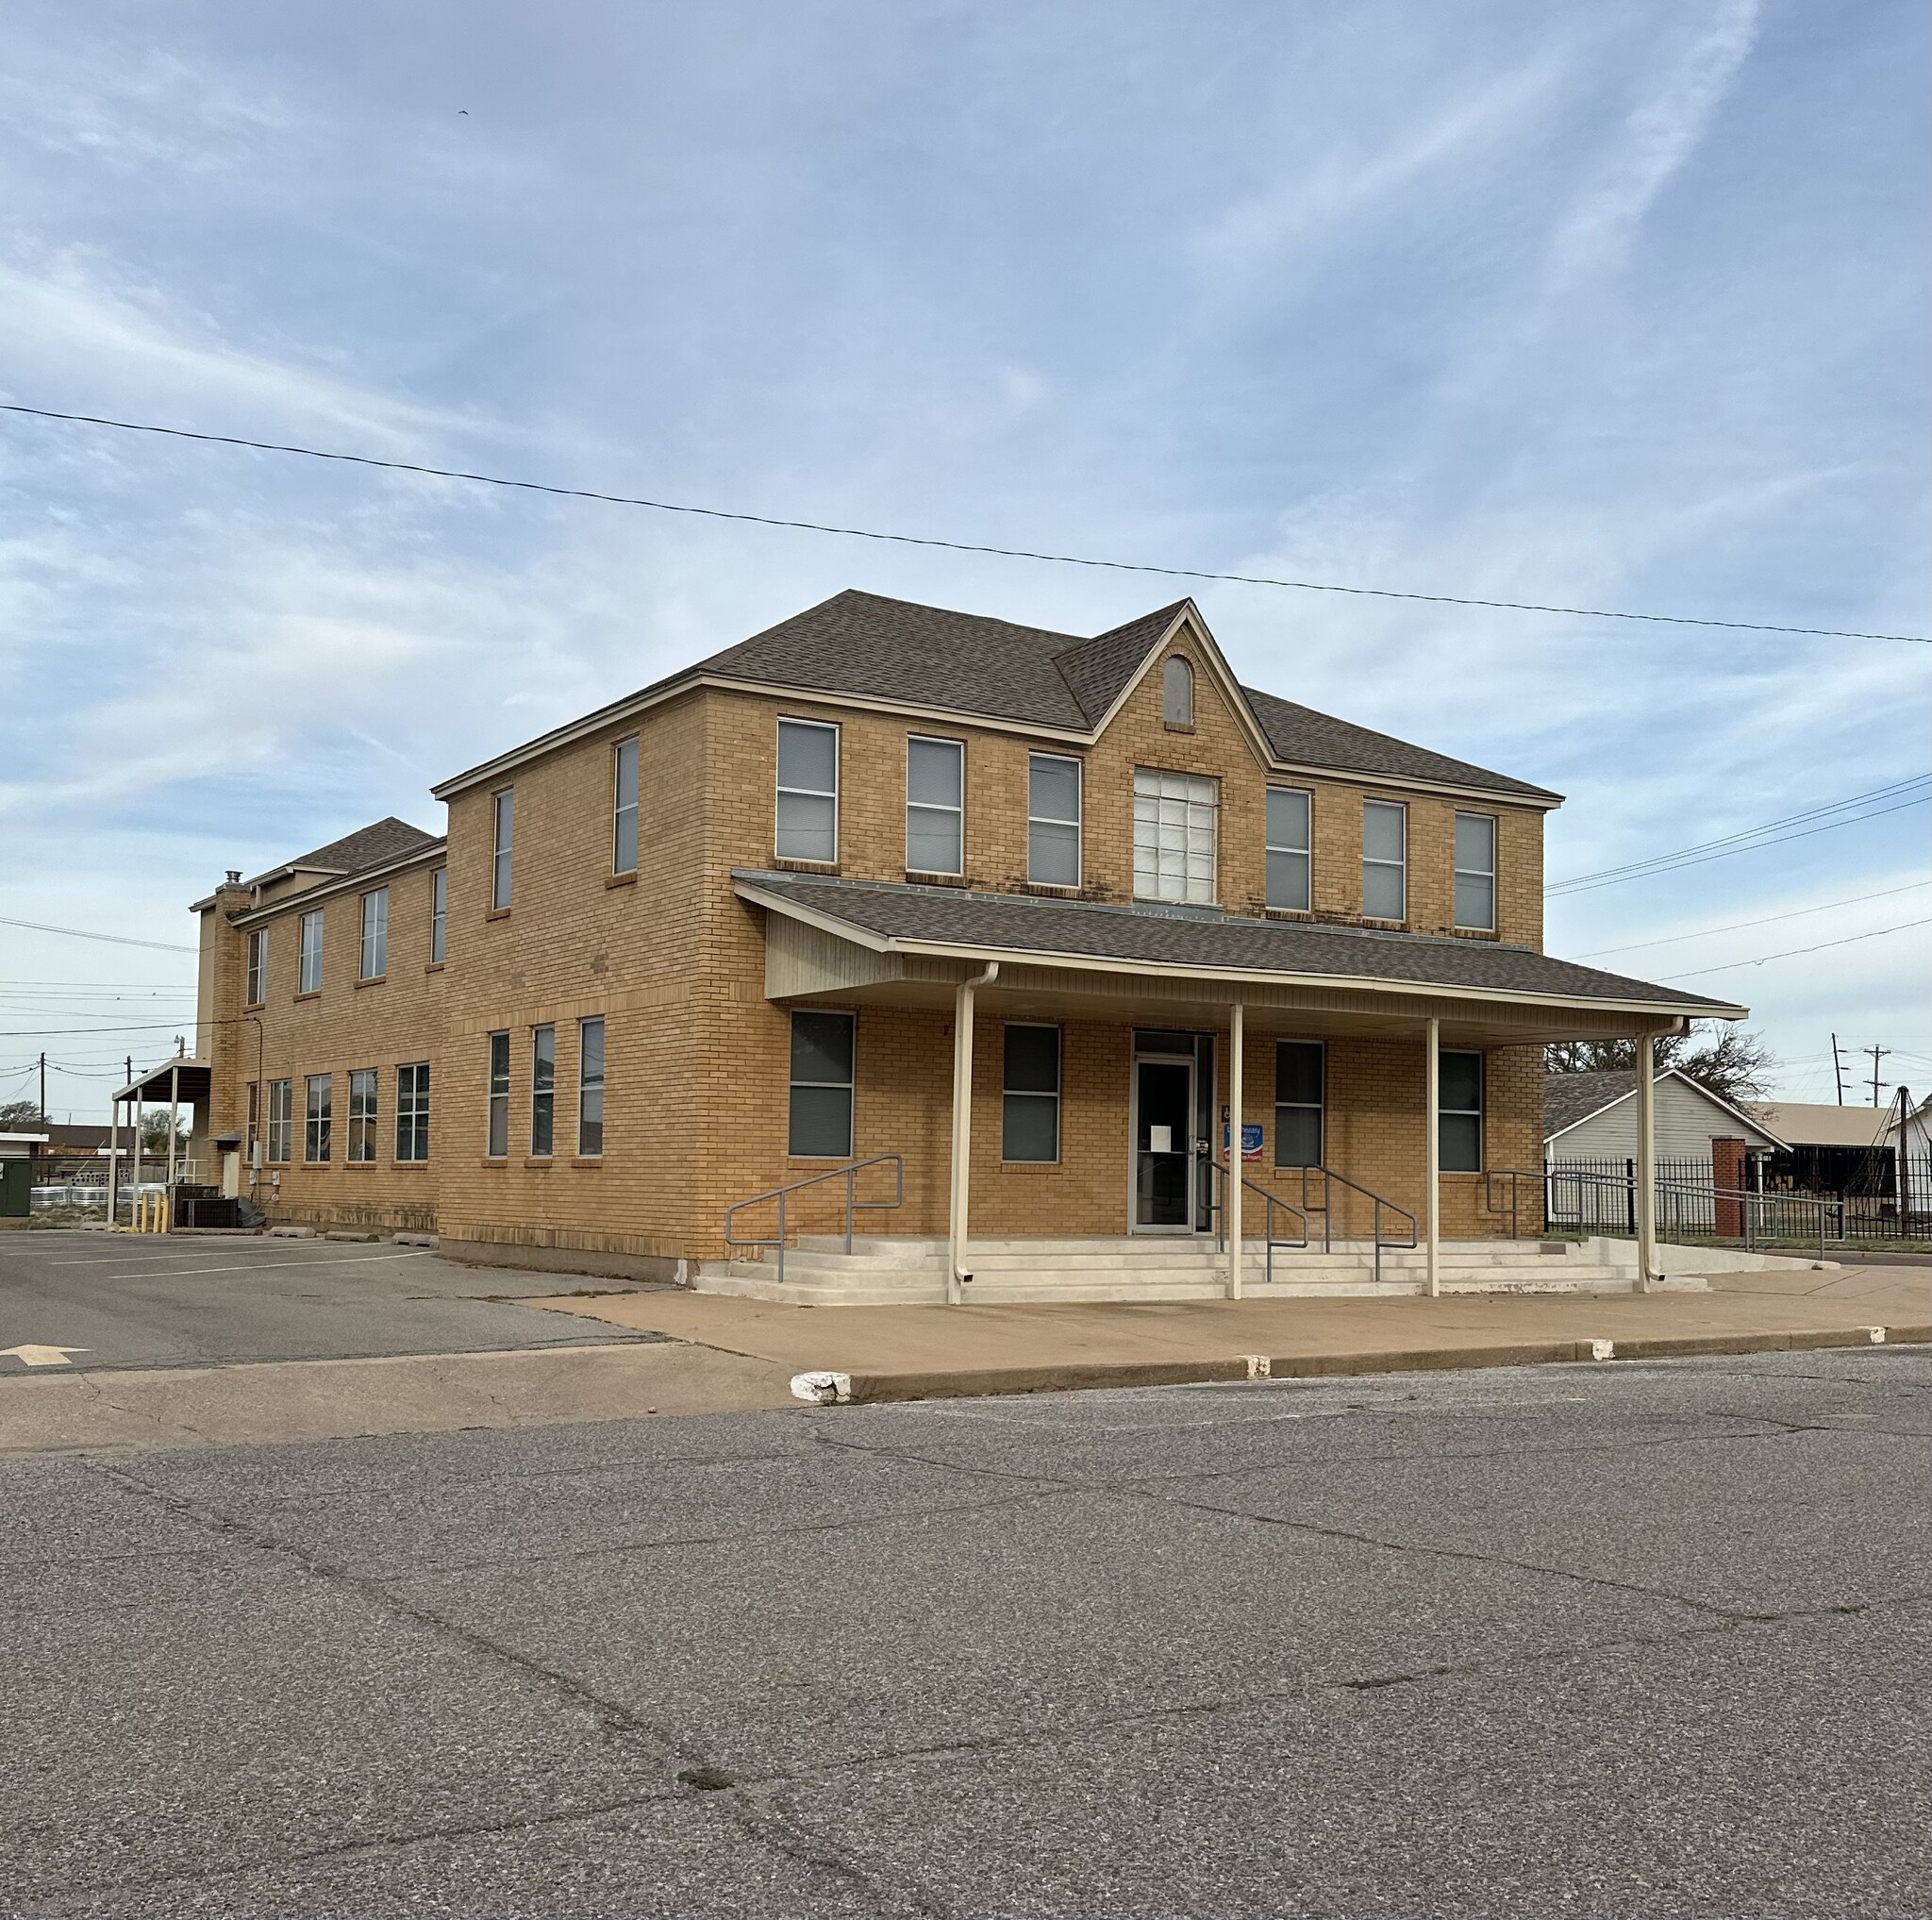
(16, 1188)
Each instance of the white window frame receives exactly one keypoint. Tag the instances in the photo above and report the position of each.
(412, 1111)
(1153, 803)
(957, 748)
(620, 806)
(1077, 823)
(439, 915)
(1400, 808)
(1463, 872)
(1168, 681)
(1008, 1095)
(832, 728)
(1476, 1113)
(1304, 853)
(257, 968)
(281, 1121)
(365, 1099)
(1319, 1106)
(308, 974)
(497, 1108)
(591, 1086)
(850, 1086)
(374, 959)
(318, 1122)
(503, 830)
(542, 1091)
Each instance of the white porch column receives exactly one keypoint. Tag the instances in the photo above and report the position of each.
(1235, 1025)
(1646, 1161)
(138, 1116)
(962, 1126)
(1432, 1099)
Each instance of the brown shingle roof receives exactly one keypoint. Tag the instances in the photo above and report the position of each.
(367, 848)
(1571, 1097)
(1026, 923)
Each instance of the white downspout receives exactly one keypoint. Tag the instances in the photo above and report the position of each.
(1432, 1099)
(962, 1126)
(1646, 1161)
(173, 1121)
(1234, 1149)
(113, 1158)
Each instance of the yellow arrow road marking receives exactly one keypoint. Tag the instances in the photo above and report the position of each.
(43, 1355)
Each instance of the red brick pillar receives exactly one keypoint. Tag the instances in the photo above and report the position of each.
(1727, 1172)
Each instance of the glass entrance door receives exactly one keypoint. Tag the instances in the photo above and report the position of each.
(1163, 1145)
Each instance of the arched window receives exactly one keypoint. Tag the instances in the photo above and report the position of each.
(1177, 692)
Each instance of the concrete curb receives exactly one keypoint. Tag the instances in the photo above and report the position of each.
(828, 1389)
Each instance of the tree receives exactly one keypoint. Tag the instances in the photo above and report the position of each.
(20, 1116)
(153, 1134)
(1724, 1059)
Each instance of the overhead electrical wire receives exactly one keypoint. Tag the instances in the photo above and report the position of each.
(1790, 953)
(1066, 560)
(1738, 925)
(83, 933)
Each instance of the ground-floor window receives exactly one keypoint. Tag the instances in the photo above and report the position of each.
(590, 1088)
(412, 1111)
(542, 1091)
(820, 1116)
(362, 1115)
(1460, 1113)
(498, 1141)
(320, 1115)
(1030, 1123)
(254, 1117)
(281, 1107)
(1298, 1098)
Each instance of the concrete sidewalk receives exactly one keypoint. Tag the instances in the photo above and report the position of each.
(927, 1352)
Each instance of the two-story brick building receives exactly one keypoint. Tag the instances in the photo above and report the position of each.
(1035, 914)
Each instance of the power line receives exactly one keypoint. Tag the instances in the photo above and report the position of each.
(1750, 841)
(53, 1033)
(82, 933)
(1738, 925)
(1017, 553)
(1877, 932)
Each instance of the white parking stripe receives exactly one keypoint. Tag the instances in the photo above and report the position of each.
(268, 1266)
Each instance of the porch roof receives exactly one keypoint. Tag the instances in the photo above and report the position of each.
(952, 923)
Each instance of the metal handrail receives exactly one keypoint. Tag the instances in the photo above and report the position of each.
(1515, 1176)
(848, 1174)
(1219, 1210)
(1751, 1204)
(1324, 1208)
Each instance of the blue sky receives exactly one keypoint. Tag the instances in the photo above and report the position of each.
(1607, 306)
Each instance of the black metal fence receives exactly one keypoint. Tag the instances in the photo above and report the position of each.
(1600, 1196)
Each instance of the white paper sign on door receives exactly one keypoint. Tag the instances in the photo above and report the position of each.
(1160, 1140)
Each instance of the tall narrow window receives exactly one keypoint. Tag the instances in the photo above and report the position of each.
(254, 1118)
(807, 791)
(1460, 1113)
(257, 966)
(624, 824)
(1298, 1101)
(935, 805)
(1177, 692)
(590, 1088)
(374, 963)
(1053, 820)
(439, 914)
(318, 1116)
(1385, 861)
(542, 1091)
(1173, 836)
(502, 816)
(281, 1121)
(363, 1113)
(308, 979)
(412, 1111)
(821, 1104)
(497, 1144)
(1030, 1116)
(1476, 871)
(1288, 848)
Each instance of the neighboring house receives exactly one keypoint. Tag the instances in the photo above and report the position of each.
(1592, 1116)
(1910, 1133)
(888, 879)
(1829, 1150)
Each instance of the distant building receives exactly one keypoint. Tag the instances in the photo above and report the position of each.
(1594, 1117)
(1828, 1149)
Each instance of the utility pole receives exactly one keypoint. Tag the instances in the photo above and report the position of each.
(1877, 1053)
(43, 1092)
(1838, 1068)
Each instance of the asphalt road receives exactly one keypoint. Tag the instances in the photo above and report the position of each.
(1626, 1641)
(127, 1300)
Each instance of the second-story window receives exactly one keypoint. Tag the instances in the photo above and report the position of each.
(935, 805)
(1385, 861)
(542, 1091)
(439, 914)
(624, 811)
(808, 826)
(1475, 872)
(1173, 836)
(503, 811)
(257, 966)
(1177, 692)
(374, 963)
(1053, 820)
(1288, 848)
(308, 977)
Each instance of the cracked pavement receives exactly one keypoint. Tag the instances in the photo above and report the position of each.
(1632, 1639)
